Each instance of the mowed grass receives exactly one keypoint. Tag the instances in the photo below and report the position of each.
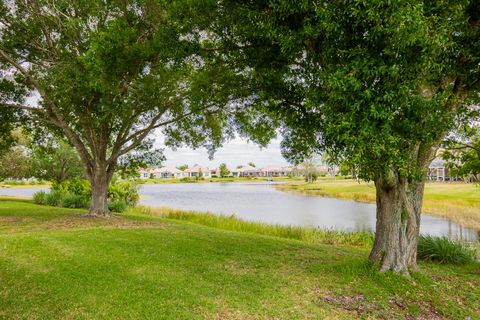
(457, 201)
(57, 264)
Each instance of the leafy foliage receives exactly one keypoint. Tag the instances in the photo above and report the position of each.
(443, 250)
(75, 193)
(56, 161)
(463, 154)
(224, 172)
(183, 167)
(126, 191)
(15, 164)
(118, 206)
(108, 74)
(75, 186)
(71, 200)
(40, 197)
(374, 83)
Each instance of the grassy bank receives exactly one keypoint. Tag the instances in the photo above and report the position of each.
(57, 264)
(459, 202)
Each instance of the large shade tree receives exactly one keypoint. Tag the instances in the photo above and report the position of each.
(106, 74)
(376, 84)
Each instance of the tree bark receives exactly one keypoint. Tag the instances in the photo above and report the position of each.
(100, 180)
(399, 206)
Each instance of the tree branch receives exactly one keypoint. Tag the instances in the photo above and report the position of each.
(138, 136)
(52, 113)
(21, 106)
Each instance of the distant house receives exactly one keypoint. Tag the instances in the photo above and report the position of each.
(162, 173)
(215, 172)
(276, 171)
(169, 173)
(147, 173)
(198, 171)
(247, 171)
(437, 170)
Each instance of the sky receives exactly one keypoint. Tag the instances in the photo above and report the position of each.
(235, 152)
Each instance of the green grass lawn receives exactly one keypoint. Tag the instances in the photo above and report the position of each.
(457, 201)
(57, 264)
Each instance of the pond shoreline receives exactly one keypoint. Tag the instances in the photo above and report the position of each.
(262, 202)
(466, 214)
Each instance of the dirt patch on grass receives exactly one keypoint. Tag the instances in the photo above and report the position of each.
(365, 308)
(81, 221)
(6, 220)
(22, 224)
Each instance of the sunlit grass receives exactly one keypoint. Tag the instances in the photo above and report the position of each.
(55, 263)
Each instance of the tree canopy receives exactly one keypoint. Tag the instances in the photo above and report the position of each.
(108, 74)
(376, 84)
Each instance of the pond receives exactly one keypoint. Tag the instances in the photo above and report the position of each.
(263, 203)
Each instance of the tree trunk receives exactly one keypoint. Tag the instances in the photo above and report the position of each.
(399, 206)
(100, 179)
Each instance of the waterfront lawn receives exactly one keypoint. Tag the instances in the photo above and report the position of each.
(57, 264)
(457, 201)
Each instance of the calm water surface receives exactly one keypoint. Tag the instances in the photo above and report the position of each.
(263, 203)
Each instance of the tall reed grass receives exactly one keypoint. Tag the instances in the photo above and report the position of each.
(309, 235)
(444, 250)
(439, 249)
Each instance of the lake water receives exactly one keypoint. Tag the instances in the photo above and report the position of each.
(263, 203)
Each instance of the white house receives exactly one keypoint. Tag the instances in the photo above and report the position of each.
(247, 171)
(147, 173)
(276, 171)
(198, 171)
(437, 170)
(163, 173)
(169, 173)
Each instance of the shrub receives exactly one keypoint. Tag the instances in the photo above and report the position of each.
(54, 198)
(75, 186)
(126, 191)
(40, 197)
(444, 250)
(75, 193)
(70, 200)
(118, 206)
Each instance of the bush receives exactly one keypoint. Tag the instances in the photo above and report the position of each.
(444, 250)
(54, 198)
(75, 193)
(118, 206)
(126, 191)
(75, 186)
(70, 200)
(40, 197)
